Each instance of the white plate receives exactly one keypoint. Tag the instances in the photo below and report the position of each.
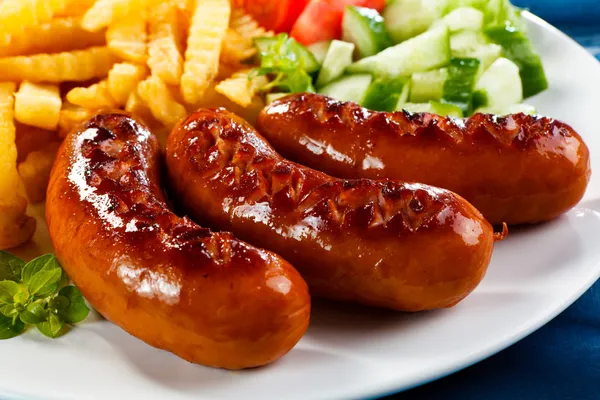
(350, 352)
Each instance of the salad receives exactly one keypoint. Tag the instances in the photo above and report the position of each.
(449, 57)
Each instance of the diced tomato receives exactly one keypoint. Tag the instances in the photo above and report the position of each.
(276, 15)
(322, 19)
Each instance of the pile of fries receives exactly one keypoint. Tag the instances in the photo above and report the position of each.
(61, 61)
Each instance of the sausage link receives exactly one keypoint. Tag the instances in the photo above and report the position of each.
(206, 297)
(401, 246)
(515, 169)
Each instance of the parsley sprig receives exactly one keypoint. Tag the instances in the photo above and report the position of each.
(36, 293)
(282, 61)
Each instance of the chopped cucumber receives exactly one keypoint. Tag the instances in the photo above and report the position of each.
(338, 58)
(501, 11)
(271, 97)
(365, 28)
(405, 19)
(319, 50)
(458, 88)
(385, 94)
(499, 86)
(470, 44)
(464, 18)
(349, 88)
(433, 107)
(518, 48)
(507, 110)
(427, 51)
(428, 85)
(480, 5)
(307, 59)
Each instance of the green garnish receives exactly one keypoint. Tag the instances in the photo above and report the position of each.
(287, 62)
(35, 293)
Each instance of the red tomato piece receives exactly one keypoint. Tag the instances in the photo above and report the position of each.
(322, 19)
(276, 15)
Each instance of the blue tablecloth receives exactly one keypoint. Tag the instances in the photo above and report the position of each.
(561, 361)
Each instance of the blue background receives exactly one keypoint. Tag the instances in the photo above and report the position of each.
(561, 361)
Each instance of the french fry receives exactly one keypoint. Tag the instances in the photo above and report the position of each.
(127, 39)
(236, 48)
(240, 88)
(138, 108)
(94, 97)
(79, 65)
(15, 226)
(106, 12)
(160, 101)
(35, 172)
(55, 36)
(17, 14)
(246, 25)
(38, 105)
(164, 48)
(207, 30)
(76, 8)
(71, 116)
(123, 79)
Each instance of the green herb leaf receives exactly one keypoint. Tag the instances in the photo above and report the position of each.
(10, 267)
(77, 310)
(8, 329)
(22, 296)
(52, 327)
(42, 275)
(8, 310)
(34, 314)
(8, 290)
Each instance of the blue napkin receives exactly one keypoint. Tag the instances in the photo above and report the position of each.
(561, 361)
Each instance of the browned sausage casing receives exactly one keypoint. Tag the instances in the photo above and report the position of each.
(401, 246)
(207, 297)
(514, 169)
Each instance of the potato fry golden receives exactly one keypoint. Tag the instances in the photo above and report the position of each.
(38, 105)
(164, 48)
(246, 25)
(76, 8)
(71, 116)
(138, 108)
(236, 48)
(127, 39)
(94, 97)
(123, 79)
(35, 172)
(208, 27)
(55, 36)
(160, 101)
(79, 65)
(106, 12)
(17, 14)
(15, 226)
(240, 88)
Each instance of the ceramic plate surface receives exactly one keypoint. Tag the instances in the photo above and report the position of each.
(351, 352)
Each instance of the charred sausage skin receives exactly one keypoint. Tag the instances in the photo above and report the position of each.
(400, 246)
(206, 297)
(516, 169)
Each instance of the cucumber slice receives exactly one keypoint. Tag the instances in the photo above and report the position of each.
(480, 5)
(518, 48)
(433, 107)
(349, 88)
(385, 94)
(338, 58)
(271, 97)
(307, 60)
(365, 28)
(501, 11)
(429, 50)
(428, 85)
(458, 88)
(464, 18)
(507, 110)
(405, 19)
(470, 44)
(319, 50)
(499, 86)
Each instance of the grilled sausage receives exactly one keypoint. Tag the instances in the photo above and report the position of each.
(401, 246)
(207, 297)
(515, 169)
